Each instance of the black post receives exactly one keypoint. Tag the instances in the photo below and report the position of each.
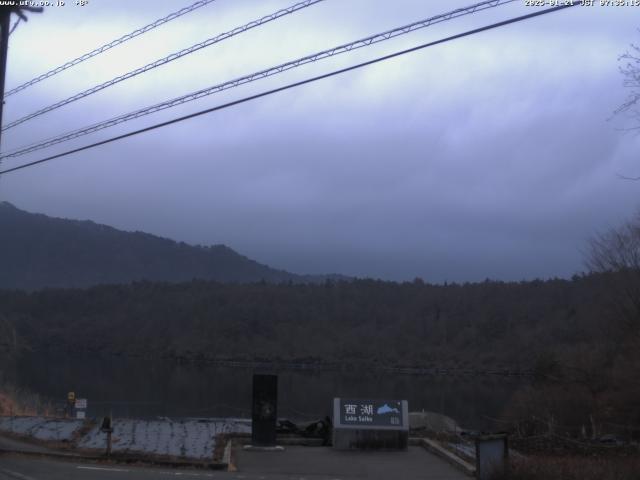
(109, 442)
(107, 427)
(265, 410)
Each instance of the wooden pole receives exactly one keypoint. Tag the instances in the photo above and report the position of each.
(5, 19)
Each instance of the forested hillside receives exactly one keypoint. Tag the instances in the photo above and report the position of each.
(37, 251)
(579, 337)
(484, 324)
(565, 332)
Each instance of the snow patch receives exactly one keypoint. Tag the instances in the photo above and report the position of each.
(187, 438)
(42, 428)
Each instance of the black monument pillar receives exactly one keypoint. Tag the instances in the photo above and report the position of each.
(265, 410)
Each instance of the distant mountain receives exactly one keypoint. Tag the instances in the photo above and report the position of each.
(38, 251)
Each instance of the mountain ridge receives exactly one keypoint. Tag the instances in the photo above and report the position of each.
(38, 251)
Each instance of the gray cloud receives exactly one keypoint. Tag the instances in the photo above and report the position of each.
(487, 157)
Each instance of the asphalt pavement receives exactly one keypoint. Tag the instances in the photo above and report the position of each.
(17, 445)
(324, 462)
(295, 463)
(29, 468)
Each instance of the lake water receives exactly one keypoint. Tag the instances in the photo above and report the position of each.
(134, 387)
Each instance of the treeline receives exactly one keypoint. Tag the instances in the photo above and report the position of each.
(569, 333)
(489, 324)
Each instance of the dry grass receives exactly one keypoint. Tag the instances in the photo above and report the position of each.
(574, 468)
(14, 401)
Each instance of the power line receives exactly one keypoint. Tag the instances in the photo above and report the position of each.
(364, 42)
(169, 58)
(293, 85)
(107, 46)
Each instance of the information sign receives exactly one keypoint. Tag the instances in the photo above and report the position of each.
(378, 413)
(370, 424)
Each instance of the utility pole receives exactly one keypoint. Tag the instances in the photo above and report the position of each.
(5, 25)
(5, 21)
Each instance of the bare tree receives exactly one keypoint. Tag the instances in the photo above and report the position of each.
(631, 72)
(617, 249)
(610, 369)
(616, 253)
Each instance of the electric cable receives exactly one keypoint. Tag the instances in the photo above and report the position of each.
(293, 85)
(164, 60)
(364, 42)
(107, 46)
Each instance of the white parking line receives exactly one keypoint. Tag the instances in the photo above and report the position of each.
(124, 470)
(17, 475)
(187, 474)
(105, 469)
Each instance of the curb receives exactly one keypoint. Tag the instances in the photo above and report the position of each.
(446, 455)
(226, 457)
(118, 458)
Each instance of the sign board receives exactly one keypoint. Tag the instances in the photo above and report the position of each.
(375, 413)
(81, 403)
(370, 424)
(71, 397)
(80, 415)
(106, 425)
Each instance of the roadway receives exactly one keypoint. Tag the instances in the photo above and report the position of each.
(296, 463)
(25, 468)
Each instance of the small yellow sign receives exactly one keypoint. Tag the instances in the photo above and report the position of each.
(71, 397)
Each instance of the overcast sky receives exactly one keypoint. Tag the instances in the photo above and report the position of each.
(487, 157)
